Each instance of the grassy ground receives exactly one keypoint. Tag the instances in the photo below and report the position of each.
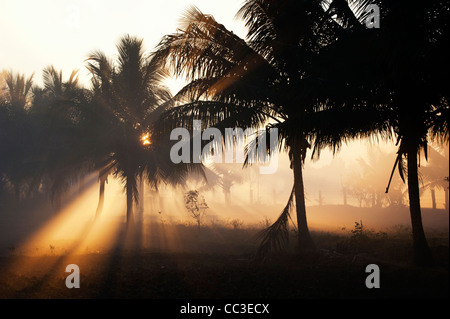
(222, 266)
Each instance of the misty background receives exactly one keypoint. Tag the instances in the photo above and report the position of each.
(340, 190)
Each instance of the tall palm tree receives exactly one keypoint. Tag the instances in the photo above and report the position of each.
(405, 66)
(266, 78)
(128, 96)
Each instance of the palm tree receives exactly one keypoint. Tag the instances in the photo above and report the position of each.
(16, 131)
(433, 175)
(322, 82)
(405, 66)
(128, 96)
(103, 180)
(57, 112)
(266, 78)
(367, 185)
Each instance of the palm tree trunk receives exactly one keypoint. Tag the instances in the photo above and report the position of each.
(421, 250)
(446, 198)
(433, 198)
(227, 193)
(101, 198)
(130, 217)
(140, 203)
(305, 241)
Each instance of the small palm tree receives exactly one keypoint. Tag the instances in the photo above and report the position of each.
(433, 175)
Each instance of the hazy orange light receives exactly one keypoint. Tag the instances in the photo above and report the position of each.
(73, 229)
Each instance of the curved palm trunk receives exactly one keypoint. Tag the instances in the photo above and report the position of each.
(305, 241)
(422, 253)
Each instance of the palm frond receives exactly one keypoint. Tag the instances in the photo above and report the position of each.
(73, 79)
(210, 113)
(19, 88)
(438, 123)
(275, 238)
(351, 14)
(341, 128)
(99, 64)
(206, 49)
(53, 81)
(263, 144)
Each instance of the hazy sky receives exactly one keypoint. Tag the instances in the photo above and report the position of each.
(35, 34)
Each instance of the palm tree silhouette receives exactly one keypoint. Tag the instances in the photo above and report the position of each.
(404, 67)
(276, 76)
(433, 175)
(43, 133)
(366, 185)
(18, 91)
(57, 112)
(237, 83)
(128, 96)
(15, 132)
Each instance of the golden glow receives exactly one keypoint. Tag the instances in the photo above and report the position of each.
(73, 229)
(71, 233)
(145, 139)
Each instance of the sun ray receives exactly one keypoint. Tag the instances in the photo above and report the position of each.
(72, 232)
